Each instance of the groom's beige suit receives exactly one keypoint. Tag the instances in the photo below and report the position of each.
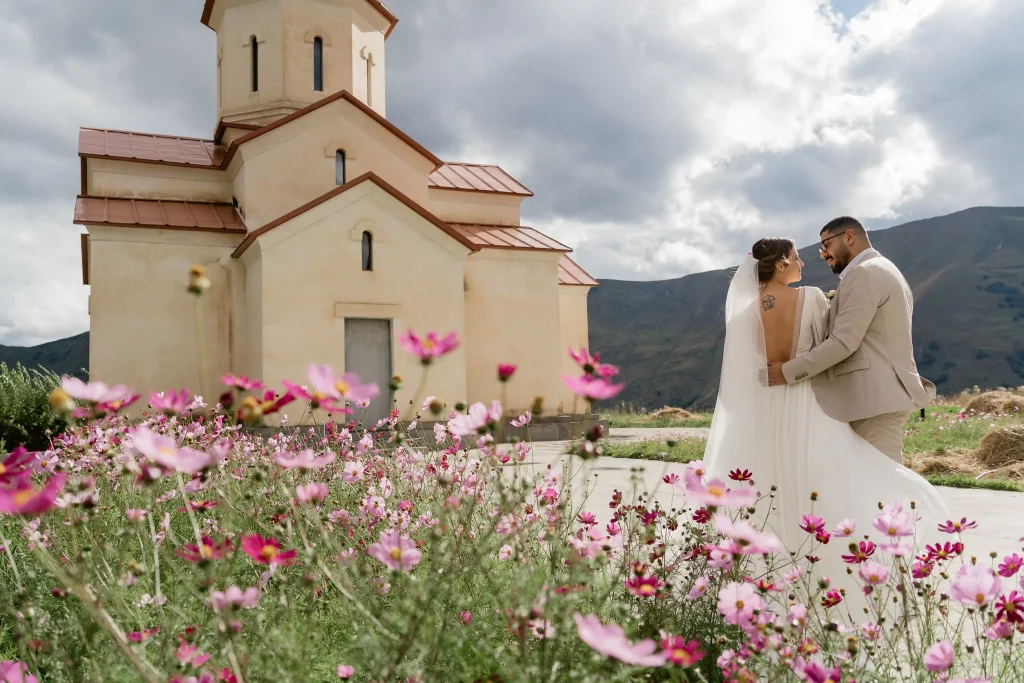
(862, 365)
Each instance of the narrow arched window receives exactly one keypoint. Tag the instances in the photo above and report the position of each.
(318, 64)
(339, 167)
(367, 250)
(254, 50)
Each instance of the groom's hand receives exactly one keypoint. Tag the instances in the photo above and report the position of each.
(775, 376)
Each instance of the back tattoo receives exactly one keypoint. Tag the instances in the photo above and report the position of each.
(768, 302)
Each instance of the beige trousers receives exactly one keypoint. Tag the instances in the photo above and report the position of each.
(884, 432)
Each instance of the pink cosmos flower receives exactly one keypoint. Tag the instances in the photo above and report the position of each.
(505, 552)
(16, 466)
(206, 550)
(939, 656)
(311, 493)
(873, 573)
(975, 585)
(611, 641)
(845, 528)
(353, 471)
(951, 527)
(95, 392)
(164, 451)
(505, 371)
(815, 672)
(234, 597)
(522, 420)
(737, 603)
(267, 551)
(346, 671)
(1000, 630)
(797, 615)
(715, 494)
(242, 382)
(466, 616)
(396, 551)
(135, 514)
(429, 348)
(894, 523)
(305, 460)
(189, 654)
(15, 672)
(26, 500)
(328, 392)
(700, 587)
(752, 541)
(172, 403)
(812, 524)
(592, 388)
(476, 420)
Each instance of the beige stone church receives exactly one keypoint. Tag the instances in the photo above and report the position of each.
(327, 232)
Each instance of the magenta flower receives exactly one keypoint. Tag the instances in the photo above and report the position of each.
(592, 388)
(939, 656)
(737, 603)
(1011, 565)
(680, 652)
(951, 527)
(645, 586)
(15, 672)
(975, 586)
(396, 551)
(466, 616)
(305, 460)
(135, 514)
(477, 419)
(234, 597)
(267, 550)
(700, 587)
(16, 466)
(1010, 608)
(311, 493)
(812, 524)
(505, 371)
(429, 348)
(346, 671)
(611, 641)
(23, 499)
(243, 382)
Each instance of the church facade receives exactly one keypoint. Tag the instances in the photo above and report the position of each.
(326, 232)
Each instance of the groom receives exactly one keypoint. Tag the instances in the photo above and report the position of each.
(863, 372)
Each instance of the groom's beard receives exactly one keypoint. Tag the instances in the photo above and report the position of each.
(840, 260)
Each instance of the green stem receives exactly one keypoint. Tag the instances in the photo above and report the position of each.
(10, 556)
(199, 345)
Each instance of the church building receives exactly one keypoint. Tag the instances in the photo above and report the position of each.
(326, 231)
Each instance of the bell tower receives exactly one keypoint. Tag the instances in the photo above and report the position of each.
(275, 57)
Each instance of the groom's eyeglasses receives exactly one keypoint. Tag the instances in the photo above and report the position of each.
(823, 247)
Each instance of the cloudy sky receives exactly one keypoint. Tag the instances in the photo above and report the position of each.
(661, 137)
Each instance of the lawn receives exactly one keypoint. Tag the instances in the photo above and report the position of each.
(633, 420)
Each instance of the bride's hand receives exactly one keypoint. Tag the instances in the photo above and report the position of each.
(775, 376)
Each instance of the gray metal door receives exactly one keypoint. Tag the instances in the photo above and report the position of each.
(368, 354)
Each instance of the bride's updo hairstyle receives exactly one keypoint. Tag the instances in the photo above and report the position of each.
(768, 251)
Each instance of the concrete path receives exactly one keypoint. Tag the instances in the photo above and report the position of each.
(1000, 515)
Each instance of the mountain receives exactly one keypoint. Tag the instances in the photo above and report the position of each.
(966, 270)
(68, 356)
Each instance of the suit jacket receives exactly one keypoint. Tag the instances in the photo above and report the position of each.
(865, 364)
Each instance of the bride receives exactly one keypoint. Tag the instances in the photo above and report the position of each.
(781, 434)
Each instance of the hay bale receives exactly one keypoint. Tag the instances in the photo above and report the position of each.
(1001, 446)
(1001, 402)
(672, 413)
(935, 464)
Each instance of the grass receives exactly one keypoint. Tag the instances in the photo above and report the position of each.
(967, 481)
(627, 419)
(943, 430)
(682, 450)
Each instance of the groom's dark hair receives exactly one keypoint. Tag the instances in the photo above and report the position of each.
(842, 224)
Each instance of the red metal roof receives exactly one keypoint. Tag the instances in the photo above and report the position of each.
(476, 178)
(165, 149)
(571, 274)
(156, 213)
(508, 237)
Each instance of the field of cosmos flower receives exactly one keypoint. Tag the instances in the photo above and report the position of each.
(176, 545)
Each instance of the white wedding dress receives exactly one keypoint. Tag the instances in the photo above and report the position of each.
(785, 439)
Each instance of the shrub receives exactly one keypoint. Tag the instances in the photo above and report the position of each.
(25, 415)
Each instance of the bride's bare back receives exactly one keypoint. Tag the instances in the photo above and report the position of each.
(779, 305)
